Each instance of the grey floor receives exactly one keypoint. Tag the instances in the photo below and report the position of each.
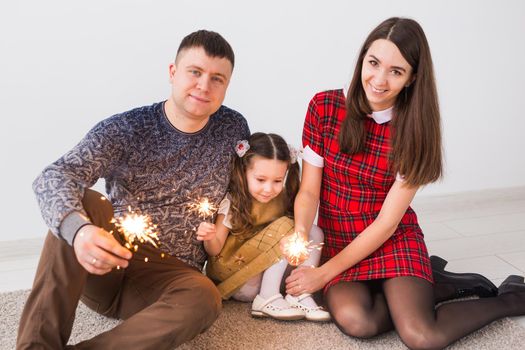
(480, 232)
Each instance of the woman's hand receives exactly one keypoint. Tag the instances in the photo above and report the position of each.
(305, 280)
(206, 231)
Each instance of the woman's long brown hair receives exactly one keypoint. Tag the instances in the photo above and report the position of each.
(268, 146)
(416, 128)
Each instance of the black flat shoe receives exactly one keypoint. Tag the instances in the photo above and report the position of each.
(513, 283)
(465, 284)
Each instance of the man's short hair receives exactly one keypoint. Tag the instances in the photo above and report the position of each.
(213, 44)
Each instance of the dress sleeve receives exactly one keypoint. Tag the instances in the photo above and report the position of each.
(224, 209)
(312, 135)
(313, 158)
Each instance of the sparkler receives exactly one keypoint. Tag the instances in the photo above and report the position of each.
(296, 249)
(135, 227)
(203, 208)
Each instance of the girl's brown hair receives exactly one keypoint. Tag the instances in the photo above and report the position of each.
(268, 146)
(416, 128)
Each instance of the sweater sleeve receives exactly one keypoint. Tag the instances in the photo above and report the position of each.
(60, 187)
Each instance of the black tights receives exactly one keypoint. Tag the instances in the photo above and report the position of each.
(365, 309)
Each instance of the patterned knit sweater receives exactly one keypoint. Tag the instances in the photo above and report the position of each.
(150, 166)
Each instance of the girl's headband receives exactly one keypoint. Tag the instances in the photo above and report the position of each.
(243, 146)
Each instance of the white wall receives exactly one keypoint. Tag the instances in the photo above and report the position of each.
(67, 64)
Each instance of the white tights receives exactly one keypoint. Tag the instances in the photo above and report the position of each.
(270, 283)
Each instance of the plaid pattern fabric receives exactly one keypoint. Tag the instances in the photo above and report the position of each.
(249, 252)
(250, 258)
(352, 192)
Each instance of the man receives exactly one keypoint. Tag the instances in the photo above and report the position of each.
(157, 160)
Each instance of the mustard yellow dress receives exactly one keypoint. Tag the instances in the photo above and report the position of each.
(247, 254)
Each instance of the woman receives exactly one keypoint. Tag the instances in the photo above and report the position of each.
(366, 154)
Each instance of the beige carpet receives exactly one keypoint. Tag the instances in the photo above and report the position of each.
(236, 329)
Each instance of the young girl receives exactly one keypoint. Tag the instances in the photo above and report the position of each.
(367, 151)
(243, 244)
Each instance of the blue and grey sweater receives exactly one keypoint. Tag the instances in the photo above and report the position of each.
(149, 165)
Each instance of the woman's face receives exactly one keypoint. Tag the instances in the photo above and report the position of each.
(384, 75)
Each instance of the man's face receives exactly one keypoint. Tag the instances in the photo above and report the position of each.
(199, 83)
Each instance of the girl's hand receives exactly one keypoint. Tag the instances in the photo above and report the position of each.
(305, 280)
(206, 231)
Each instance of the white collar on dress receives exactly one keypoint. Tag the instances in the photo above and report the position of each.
(380, 117)
(383, 116)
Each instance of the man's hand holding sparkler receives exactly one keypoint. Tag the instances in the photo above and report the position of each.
(98, 251)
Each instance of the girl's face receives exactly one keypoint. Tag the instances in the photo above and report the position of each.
(265, 178)
(385, 74)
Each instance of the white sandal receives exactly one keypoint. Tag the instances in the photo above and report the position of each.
(264, 308)
(316, 313)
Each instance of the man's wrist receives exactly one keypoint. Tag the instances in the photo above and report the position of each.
(79, 233)
(71, 224)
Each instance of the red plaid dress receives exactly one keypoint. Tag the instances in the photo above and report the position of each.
(353, 190)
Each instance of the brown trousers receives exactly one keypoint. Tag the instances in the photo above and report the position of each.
(164, 301)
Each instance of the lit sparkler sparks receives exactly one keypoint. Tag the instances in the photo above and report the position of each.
(203, 208)
(135, 227)
(296, 249)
